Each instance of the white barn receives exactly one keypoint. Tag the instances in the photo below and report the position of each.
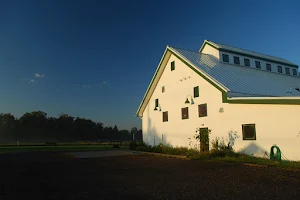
(225, 89)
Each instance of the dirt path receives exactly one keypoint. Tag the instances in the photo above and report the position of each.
(57, 176)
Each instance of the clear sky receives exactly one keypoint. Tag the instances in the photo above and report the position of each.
(95, 59)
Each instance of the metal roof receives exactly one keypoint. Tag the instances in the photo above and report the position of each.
(247, 52)
(243, 81)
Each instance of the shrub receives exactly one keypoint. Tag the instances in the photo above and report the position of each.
(161, 148)
(134, 145)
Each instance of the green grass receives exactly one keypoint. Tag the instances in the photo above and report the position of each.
(246, 159)
(7, 149)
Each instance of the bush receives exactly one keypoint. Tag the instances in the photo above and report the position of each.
(161, 148)
(134, 145)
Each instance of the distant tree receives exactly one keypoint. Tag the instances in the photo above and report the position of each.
(7, 126)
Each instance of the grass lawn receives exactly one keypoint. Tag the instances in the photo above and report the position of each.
(252, 161)
(7, 149)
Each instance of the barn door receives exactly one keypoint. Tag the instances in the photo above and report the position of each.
(204, 140)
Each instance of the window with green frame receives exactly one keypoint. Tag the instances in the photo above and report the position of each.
(249, 132)
(156, 103)
(172, 65)
(196, 91)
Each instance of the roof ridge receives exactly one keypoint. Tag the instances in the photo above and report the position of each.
(247, 50)
(188, 50)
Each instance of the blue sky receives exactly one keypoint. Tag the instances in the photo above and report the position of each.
(95, 59)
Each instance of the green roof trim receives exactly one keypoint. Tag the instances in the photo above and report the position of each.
(264, 101)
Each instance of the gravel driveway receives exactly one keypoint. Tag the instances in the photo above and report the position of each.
(58, 176)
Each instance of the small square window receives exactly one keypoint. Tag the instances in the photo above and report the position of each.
(225, 58)
(236, 60)
(163, 89)
(247, 62)
(202, 109)
(268, 66)
(279, 69)
(196, 91)
(185, 113)
(257, 64)
(249, 132)
(172, 65)
(294, 72)
(165, 116)
(287, 70)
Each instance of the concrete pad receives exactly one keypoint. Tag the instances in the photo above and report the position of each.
(99, 154)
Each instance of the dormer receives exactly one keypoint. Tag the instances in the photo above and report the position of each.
(240, 57)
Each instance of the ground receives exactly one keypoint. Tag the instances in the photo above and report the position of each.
(59, 175)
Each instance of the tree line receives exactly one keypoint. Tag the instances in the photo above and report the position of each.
(36, 126)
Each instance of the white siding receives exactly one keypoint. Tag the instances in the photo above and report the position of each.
(275, 124)
(207, 49)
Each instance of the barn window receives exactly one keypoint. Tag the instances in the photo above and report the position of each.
(294, 72)
(202, 109)
(225, 58)
(257, 64)
(279, 69)
(172, 65)
(236, 60)
(247, 62)
(268, 66)
(196, 91)
(249, 132)
(156, 103)
(165, 116)
(185, 113)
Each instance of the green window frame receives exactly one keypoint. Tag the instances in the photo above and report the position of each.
(156, 103)
(172, 65)
(249, 131)
(196, 91)
(247, 62)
